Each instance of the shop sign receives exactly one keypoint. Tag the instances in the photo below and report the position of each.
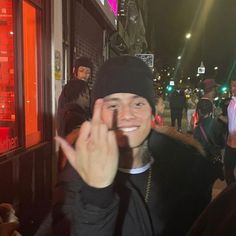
(110, 9)
(147, 58)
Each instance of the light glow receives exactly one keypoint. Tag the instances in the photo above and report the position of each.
(113, 5)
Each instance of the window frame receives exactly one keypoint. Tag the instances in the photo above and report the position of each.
(44, 76)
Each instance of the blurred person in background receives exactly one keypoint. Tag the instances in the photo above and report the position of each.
(211, 133)
(75, 92)
(8, 220)
(76, 100)
(209, 87)
(230, 149)
(177, 105)
(82, 69)
(160, 107)
(191, 108)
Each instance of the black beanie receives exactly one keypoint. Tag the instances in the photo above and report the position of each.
(124, 74)
(83, 61)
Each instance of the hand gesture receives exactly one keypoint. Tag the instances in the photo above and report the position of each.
(95, 156)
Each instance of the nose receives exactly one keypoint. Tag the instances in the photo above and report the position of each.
(126, 112)
(83, 74)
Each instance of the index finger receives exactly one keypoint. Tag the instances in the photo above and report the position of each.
(97, 110)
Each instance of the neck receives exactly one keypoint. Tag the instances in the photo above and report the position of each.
(134, 158)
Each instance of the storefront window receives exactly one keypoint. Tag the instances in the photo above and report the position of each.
(8, 120)
(31, 39)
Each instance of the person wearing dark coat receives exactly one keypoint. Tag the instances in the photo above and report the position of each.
(73, 111)
(211, 133)
(177, 105)
(219, 216)
(74, 92)
(123, 178)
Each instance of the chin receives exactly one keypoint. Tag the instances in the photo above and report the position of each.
(129, 142)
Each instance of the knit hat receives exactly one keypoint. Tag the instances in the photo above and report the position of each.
(124, 74)
(83, 61)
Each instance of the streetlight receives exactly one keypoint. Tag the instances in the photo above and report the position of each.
(179, 57)
(216, 68)
(188, 36)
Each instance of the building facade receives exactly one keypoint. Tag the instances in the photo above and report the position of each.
(39, 42)
(25, 107)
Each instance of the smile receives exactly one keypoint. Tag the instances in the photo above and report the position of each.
(128, 129)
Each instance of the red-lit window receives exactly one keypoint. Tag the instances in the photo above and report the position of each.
(8, 120)
(31, 41)
(11, 80)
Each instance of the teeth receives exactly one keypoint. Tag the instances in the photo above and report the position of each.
(128, 129)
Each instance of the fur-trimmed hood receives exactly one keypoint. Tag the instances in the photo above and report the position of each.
(180, 137)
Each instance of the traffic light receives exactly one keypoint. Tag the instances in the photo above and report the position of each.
(169, 88)
(224, 88)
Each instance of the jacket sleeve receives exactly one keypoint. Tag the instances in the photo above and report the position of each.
(82, 210)
(91, 218)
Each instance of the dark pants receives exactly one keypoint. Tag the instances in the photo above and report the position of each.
(229, 164)
(176, 115)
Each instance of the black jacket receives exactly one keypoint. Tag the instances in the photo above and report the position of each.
(215, 130)
(177, 102)
(180, 180)
(219, 217)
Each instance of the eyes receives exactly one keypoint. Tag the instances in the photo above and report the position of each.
(85, 70)
(116, 105)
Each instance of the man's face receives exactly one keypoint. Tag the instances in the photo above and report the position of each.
(83, 73)
(160, 106)
(233, 87)
(132, 119)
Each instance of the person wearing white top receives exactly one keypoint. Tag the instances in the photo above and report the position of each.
(230, 149)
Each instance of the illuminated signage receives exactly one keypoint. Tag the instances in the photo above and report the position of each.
(113, 5)
(147, 58)
(110, 9)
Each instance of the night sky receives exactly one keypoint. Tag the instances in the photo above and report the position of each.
(213, 38)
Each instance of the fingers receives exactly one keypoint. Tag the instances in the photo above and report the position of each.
(70, 152)
(97, 111)
(111, 138)
(85, 132)
(96, 120)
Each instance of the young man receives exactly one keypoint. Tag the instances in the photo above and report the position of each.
(230, 149)
(75, 92)
(82, 69)
(127, 179)
(209, 87)
(177, 105)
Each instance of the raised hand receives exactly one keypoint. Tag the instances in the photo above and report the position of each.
(95, 156)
